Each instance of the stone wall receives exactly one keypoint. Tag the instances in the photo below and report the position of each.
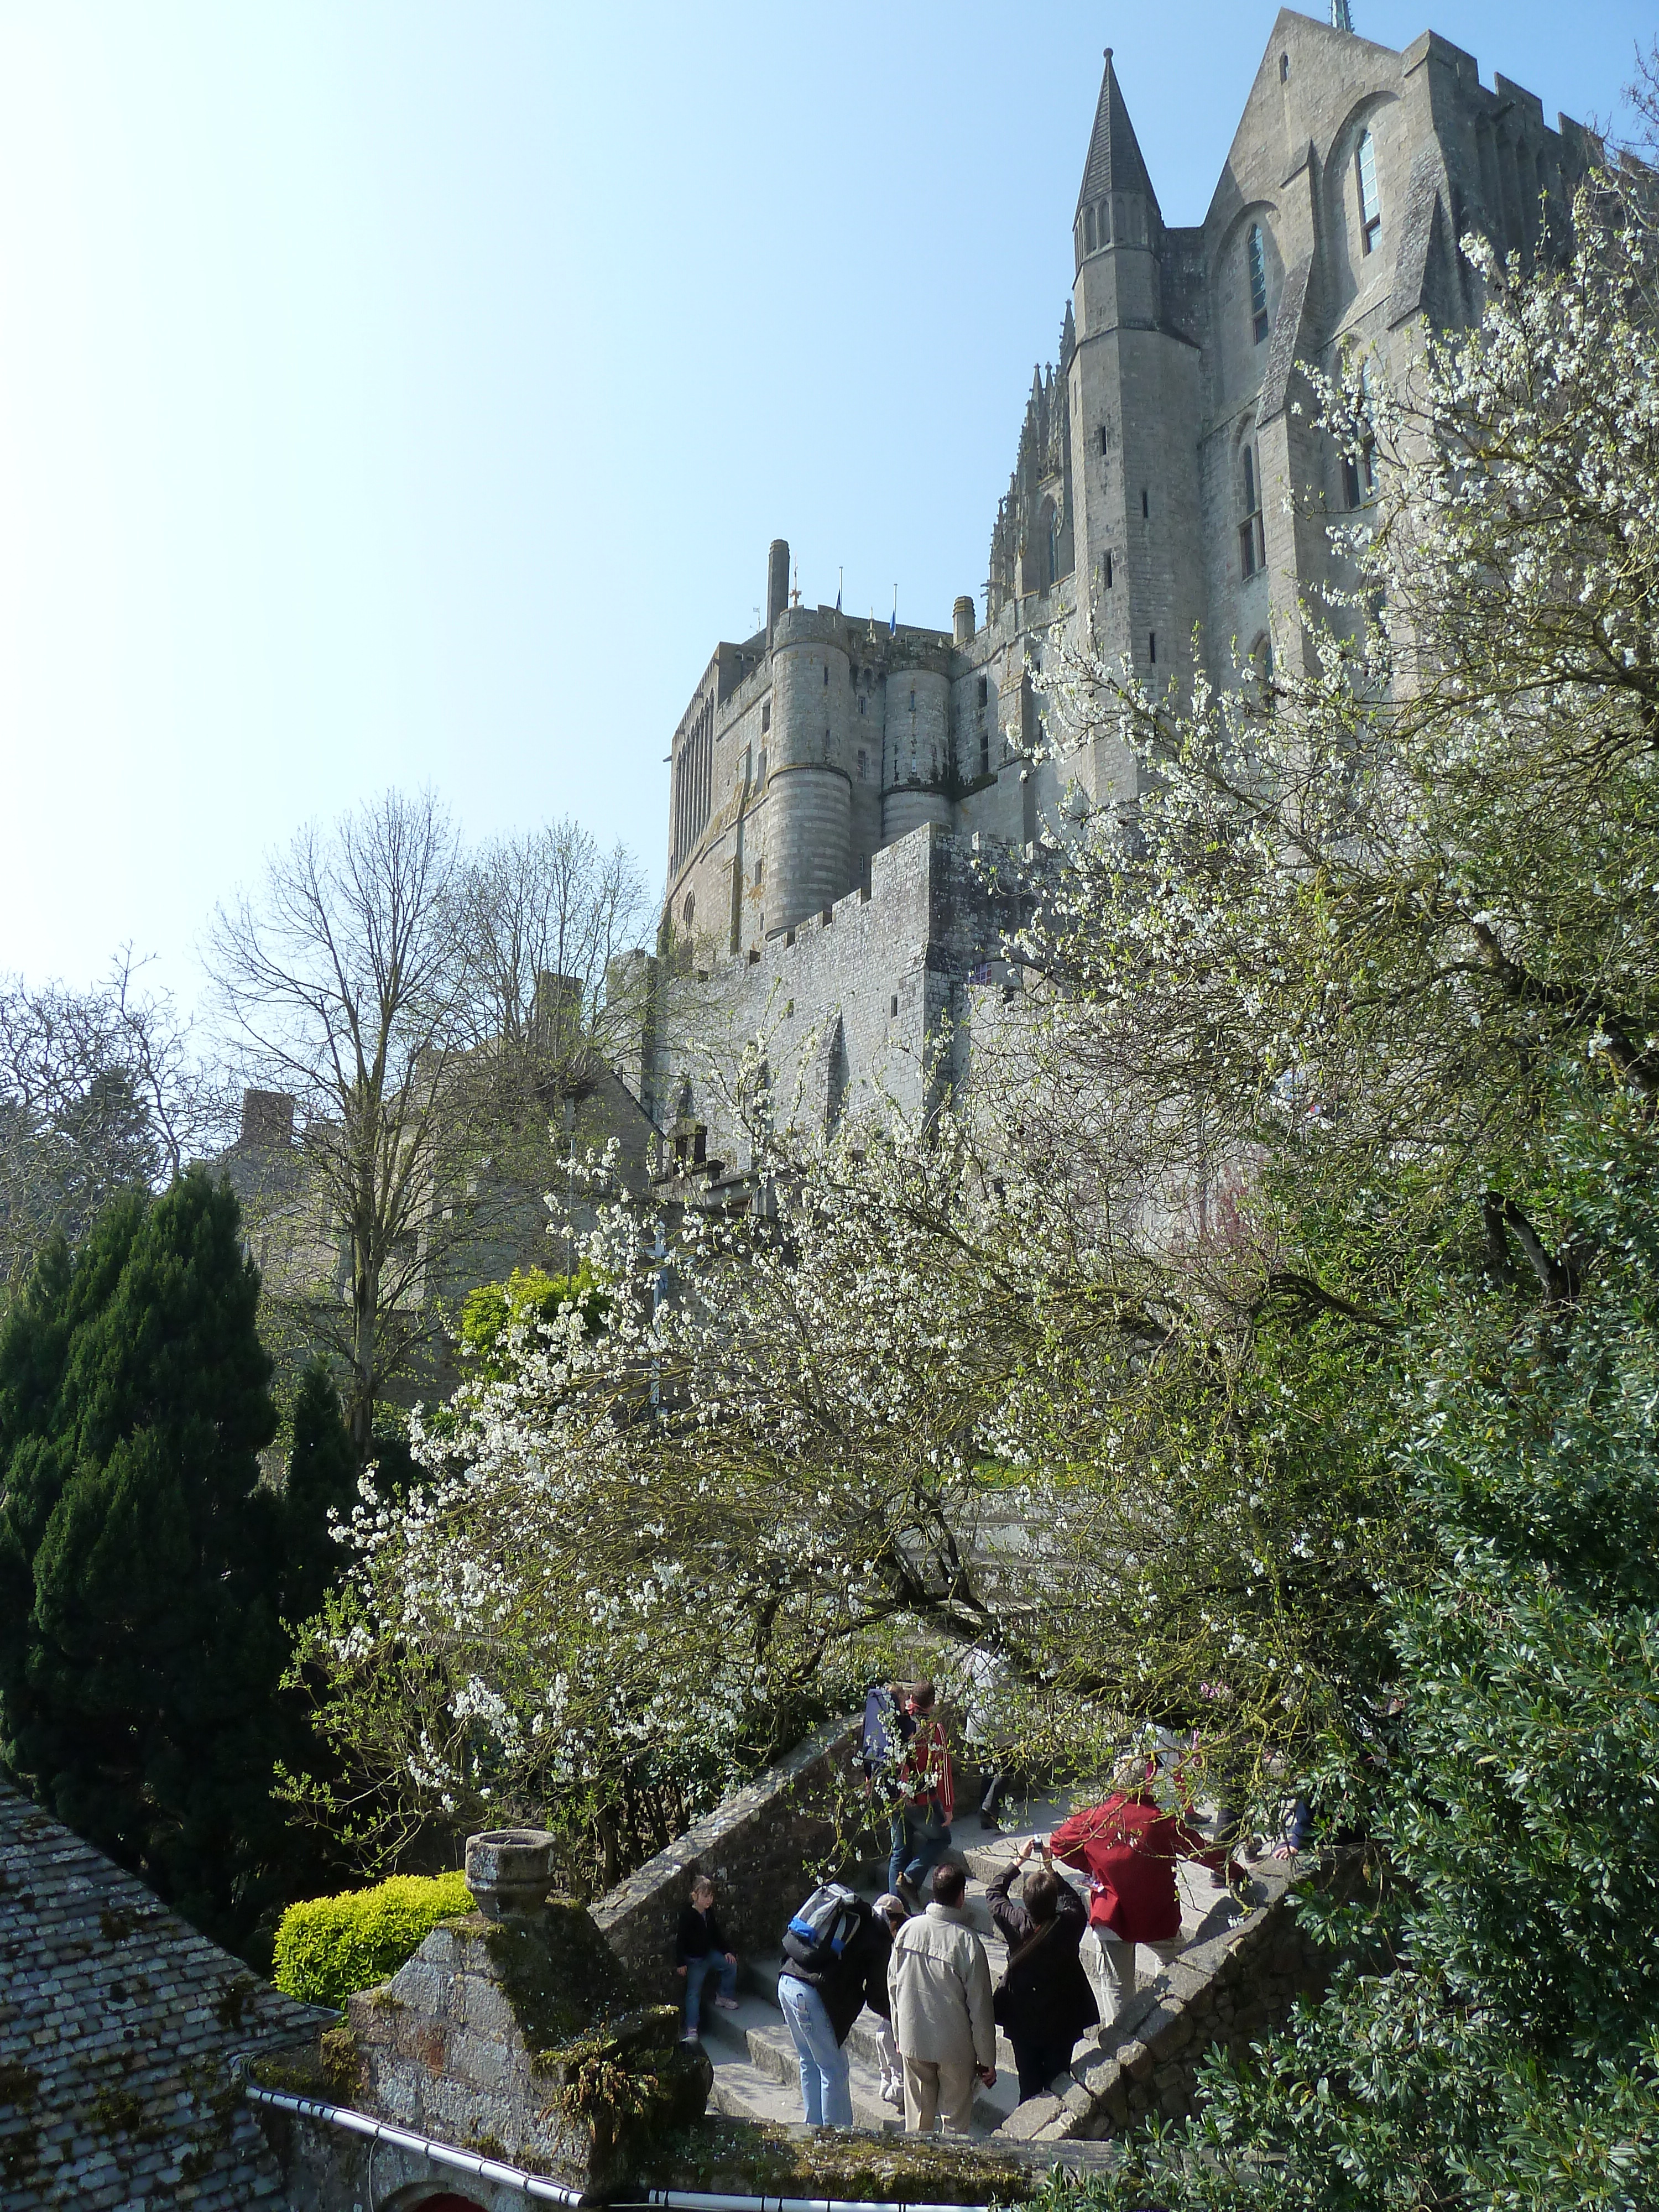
(1225, 1991)
(754, 1847)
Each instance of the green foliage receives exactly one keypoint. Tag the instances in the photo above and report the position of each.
(1511, 2058)
(327, 1948)
(498, 1320)
(145, 1569)
(322, 1478)
(140, 1556)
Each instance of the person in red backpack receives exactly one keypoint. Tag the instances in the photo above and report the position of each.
(928, 1802)
(1129, 1847)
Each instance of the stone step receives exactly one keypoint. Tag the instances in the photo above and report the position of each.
(740, 2092)
(991, 2108)
(756, 2040)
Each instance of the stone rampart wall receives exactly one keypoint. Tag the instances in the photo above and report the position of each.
(754, 1847)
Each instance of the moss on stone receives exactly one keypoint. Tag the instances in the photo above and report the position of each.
(563, 1981)
(19, 2084)
(742, 2158)
(328, 2071)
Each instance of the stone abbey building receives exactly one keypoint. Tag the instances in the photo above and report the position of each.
(832, 777)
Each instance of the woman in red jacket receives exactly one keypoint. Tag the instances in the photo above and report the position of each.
(1129, 1848)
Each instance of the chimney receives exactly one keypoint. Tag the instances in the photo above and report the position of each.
(962, 620)
(267, 1120)
(777, 581)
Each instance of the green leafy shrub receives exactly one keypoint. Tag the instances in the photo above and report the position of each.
(329, 1947)
(530, 1299)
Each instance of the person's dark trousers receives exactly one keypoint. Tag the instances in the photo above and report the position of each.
(918, 1846)
(1038, 2063)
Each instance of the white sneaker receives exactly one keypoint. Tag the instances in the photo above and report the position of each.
(892, 2093)
(691, 2036)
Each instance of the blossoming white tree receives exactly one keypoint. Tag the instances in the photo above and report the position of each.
(1104, 1369)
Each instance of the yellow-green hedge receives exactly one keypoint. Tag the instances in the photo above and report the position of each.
(327, 1946)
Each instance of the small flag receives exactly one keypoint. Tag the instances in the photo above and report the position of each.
(840, 577)
(892, 627)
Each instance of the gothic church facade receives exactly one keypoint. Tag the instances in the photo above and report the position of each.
(832, 780)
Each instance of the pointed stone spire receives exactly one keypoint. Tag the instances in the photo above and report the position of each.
(1115, 162)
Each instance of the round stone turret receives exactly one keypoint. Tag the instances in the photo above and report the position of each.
(509, 1871)
(809, 781)
(962, 620)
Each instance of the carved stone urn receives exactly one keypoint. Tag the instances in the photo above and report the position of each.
(509, 1871)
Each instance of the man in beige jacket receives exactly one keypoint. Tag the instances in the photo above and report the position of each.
(940, 1984)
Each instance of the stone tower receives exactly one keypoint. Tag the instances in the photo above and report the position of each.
(1134, 400)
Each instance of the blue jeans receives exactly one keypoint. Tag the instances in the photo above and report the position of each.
(918, 1845)
(697, 1971)
(825, 2092)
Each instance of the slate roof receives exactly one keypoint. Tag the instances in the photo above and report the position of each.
(118, 2028)
(1115, 162)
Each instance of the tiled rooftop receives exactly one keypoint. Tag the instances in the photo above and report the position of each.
(119, 2028)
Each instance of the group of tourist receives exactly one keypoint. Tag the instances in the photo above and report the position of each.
(915, 1961)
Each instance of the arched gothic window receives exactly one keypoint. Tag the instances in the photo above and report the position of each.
(1256, 254)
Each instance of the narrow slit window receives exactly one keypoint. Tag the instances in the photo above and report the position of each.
(1104, 447)
(1146, 503)
(1371, 208)
(1109, 570)
(984, 692)
(1258, 265)
(766, 716)
(1088, 230)
(1252, 536)
(1151, 646)
(863, 765)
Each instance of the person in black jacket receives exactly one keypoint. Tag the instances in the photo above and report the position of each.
(700, 1951)
(1043, 2001)
(819, 2009)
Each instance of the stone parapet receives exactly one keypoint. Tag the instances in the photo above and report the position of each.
(755, 1847)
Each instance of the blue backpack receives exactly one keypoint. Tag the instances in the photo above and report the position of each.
(824, 1927)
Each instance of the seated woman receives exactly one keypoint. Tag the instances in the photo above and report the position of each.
(701, 1951)
(1043, 2002)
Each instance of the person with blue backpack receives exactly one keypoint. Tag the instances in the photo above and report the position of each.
(836, 1951)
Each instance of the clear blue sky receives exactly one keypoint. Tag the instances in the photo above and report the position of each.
(407, 393)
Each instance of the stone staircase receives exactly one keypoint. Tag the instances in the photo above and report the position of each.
(757, 2074)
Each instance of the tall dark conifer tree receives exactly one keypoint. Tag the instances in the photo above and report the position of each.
(140, 1561)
